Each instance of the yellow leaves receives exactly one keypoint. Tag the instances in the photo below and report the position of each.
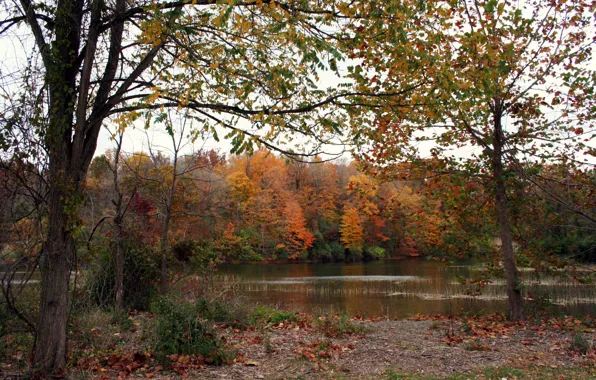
(152, 32)
(365, 190)
(138, 160)
(125, 119)
(242, 23)
(241, 186)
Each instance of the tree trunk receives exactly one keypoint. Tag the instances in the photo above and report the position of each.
(118, 221)
(56, 264)
(119, 261)
(164, 251)
(516, 309)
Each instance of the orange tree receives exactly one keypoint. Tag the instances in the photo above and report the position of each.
(499, 84)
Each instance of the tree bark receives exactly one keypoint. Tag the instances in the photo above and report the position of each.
(164, 250)
(119, 261)
(118, 221)
(56, 264)
(516, 309)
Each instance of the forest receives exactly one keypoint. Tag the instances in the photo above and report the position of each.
(294, 132)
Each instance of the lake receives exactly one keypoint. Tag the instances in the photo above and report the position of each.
(392, 288)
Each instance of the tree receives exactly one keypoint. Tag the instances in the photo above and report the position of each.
(510, 82)
(242, 65)
(352, 234)
(297, 237)
(164, 178)
(100, 167)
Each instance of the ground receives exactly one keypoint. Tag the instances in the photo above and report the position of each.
(423, 348)
(397, 348)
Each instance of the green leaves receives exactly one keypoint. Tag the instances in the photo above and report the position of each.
(491, 5)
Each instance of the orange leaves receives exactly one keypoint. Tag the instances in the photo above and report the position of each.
(318, 350)
(364, 190)
(122, 364)
(352, 234)
(297, 237)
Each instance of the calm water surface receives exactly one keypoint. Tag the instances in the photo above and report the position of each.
(393, 288)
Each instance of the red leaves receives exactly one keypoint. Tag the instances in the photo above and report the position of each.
(320, 350)
(140, 205)
(122, 364)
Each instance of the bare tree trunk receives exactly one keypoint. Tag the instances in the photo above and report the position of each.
(56, 264)
(516, 309)
(119, 262)
(118, 221)
(164, 250)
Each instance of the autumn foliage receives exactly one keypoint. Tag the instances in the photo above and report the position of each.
(261, 207)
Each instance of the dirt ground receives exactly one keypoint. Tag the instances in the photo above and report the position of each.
(427, 348)
(435, 347)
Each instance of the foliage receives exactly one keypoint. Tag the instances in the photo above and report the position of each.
(185, 250)
(338, 326)
(323, 251)
(352, 235)
(229, 312)
(510, 82)
(582, 343)
(269, 315)
(180, 331)
(373, 253)
(140, 275)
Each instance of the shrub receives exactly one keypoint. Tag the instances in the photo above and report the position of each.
(541, 307)
(184, 250)
(266, 314)
(141, 272)
(373, 253)
(180, 331)
(338, 251)
(338, 326)
(223, 312)
(582, 343)
(353, 254)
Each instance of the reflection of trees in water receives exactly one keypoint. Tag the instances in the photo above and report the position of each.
(396, 289)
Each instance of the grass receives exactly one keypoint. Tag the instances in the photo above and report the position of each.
(509, 373)
(270, 315)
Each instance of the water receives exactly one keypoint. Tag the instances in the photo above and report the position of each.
(391, 288)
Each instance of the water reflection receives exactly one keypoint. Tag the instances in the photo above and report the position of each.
(396, 289)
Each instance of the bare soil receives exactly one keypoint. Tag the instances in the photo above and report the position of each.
(426, 348)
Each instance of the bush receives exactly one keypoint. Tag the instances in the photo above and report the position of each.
(222, 312)
(582, 248)
(338, 326)
(373, 253)
(180, 331)
(184, 250)
(338, 251)
(269, 315)
(353, 254)
(541, 307)
(4, 318)
(141, 272)
(582, 343)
